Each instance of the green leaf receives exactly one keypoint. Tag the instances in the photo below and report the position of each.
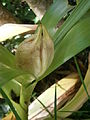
(12, 85)
(6, 57)
(77, 13)
(67, 35)
(76, 40)
(8, 73)
(54, 14)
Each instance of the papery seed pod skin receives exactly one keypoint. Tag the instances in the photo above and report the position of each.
(36, 53)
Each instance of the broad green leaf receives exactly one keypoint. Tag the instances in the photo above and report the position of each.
(6, 57)
(7, 74)
(76, 40)
(79, 11)
(54, 14)
(9, 30)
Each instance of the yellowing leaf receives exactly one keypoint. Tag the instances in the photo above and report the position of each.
(66, 88)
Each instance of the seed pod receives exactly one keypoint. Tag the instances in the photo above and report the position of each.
(36, 53)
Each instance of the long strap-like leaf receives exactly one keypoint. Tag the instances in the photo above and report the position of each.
(54, 14)
(76, 40)
(79, 11)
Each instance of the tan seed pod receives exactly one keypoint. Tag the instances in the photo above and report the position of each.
(36, 53)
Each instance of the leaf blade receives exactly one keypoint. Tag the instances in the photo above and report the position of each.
(76, 40)
(72, 19)
(6, 57)
(54, 14)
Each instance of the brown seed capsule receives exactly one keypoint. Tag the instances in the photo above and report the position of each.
(36, 53)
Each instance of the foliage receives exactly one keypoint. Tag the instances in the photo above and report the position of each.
(70, 39)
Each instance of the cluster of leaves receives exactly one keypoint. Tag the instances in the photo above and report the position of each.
(22, 11)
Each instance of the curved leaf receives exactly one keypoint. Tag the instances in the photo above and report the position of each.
(54, 14)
